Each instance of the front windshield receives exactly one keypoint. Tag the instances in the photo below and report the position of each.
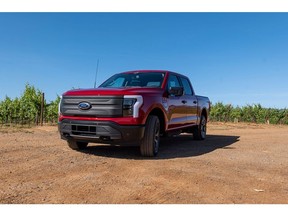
(137, 79)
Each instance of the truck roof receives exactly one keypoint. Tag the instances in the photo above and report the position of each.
(146, 71)
(157, 71)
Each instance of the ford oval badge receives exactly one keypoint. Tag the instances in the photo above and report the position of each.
(84, 106)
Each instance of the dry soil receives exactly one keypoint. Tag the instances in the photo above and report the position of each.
(237, 163)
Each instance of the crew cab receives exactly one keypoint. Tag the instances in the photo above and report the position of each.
(133, 108)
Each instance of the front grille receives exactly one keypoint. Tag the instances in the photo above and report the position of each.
(101, 106)
(83, 130)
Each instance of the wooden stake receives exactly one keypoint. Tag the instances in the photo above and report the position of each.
(42, 109)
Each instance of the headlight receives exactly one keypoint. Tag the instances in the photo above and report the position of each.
(128, 105)
(59, 106)
(131, 105)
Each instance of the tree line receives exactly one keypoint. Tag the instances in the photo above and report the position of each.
(250, 113)
(26, 110)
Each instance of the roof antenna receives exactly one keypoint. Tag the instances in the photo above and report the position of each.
(96, 73)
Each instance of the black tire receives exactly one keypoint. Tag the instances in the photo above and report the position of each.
(149, 145)
(199, 132)
(77, 145)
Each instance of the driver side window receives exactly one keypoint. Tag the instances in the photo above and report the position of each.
(173, 81)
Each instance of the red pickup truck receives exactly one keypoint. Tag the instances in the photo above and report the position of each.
(134, 107)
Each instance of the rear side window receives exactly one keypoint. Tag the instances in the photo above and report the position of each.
(186, 86)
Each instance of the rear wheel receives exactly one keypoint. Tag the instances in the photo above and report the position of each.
(149, 145)
(199, 132)
(77, 145)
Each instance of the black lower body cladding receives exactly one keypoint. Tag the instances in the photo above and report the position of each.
(100, 132)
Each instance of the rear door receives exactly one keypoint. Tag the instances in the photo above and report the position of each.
(190, 101)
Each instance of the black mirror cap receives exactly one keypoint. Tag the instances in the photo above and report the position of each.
(176, 91)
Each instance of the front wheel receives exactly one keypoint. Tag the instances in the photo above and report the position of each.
(199, 132)
(149, 145)
(77, 145)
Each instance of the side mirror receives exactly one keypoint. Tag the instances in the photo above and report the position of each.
(176, 91)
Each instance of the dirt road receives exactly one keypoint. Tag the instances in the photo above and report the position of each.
(237, 163)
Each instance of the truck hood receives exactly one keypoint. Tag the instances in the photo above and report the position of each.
(113, 91)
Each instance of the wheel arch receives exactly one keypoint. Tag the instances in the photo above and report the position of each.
(160, 114)
(205, 113)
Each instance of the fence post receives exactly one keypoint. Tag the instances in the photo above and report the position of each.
(42, 109)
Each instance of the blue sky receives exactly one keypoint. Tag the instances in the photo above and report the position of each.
(237, 58)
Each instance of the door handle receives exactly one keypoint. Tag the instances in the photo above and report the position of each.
(195, 102)
(184, 101)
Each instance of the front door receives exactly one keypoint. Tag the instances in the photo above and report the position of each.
(177, 114)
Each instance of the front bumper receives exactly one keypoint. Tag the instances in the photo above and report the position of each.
(100, 131)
